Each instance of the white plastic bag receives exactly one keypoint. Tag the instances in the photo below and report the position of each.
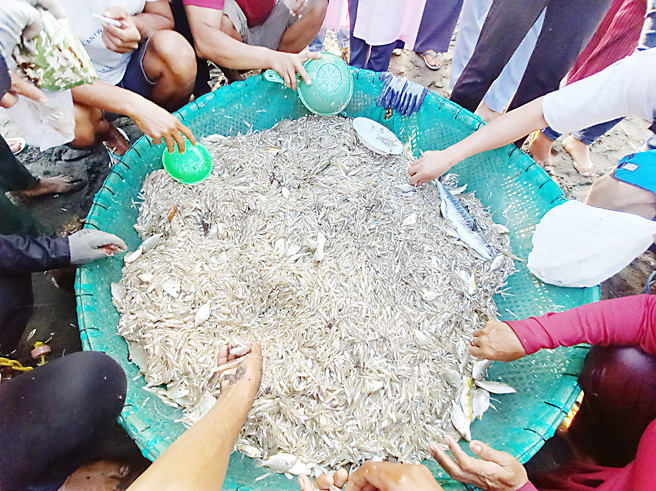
(46, 125)
(578, 245)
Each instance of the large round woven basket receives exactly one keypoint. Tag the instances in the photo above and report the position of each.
(516, 190)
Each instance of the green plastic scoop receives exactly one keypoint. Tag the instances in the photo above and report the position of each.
(332, 85)
(189, 167)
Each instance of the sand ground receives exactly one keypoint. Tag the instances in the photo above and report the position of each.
(55, 318)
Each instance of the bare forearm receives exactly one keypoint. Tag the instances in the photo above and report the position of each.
(218, 47)
(502, 131)
(106, 97)
(149, 24)
(198, 460)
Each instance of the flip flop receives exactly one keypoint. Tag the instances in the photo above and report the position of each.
(434, 55)
(19, 142)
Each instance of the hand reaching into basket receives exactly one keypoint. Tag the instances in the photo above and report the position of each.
(431, 165)
(494, 471)
(496, 341)
(287, 65)
(376, 476)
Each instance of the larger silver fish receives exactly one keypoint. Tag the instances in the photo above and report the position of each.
(465, 225)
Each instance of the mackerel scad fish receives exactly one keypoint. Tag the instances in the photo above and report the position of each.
(465, 225)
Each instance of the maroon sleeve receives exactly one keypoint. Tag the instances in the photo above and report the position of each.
(643, 468)
(528, 487)
(626, 321)
(208, 4)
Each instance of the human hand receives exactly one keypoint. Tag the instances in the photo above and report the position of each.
(497, 471)
(88, 245)
(52, 6)
(17, 18)
(287, 65)
(239, 368)
(430, 165)
(24, 88)
(385, 476)
(496, 341)
(159, 124)
(122, 39)
(324, 482)
(299, 8)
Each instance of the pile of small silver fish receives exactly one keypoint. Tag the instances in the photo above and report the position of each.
(363, 296)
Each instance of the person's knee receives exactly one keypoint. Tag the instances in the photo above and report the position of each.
(611, 194)
(317, 15)
(175, 56)
(97, 381)
(89, 123)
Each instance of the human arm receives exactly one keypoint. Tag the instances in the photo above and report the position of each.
(494, 471)
(156, 16)
(503, 130)
(153, 120)
(198, 459)
(26, 254)
(626, 88)
(216, 46)
(643, 468)
(627, 321)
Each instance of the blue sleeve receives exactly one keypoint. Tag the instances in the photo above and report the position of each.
(25, 254)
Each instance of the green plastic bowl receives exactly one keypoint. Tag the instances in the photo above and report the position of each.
(332, 85)
(189, 167)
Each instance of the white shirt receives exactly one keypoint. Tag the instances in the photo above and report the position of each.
(109, 64)
(626, 88)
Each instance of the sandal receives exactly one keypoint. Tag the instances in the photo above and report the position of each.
(435, 56)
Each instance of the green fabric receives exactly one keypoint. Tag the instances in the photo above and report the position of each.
(516, 190)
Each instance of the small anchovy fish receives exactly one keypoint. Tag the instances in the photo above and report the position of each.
(280, 463)
(465, 225)
(495, 387)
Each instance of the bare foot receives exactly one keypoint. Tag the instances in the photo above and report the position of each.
(100, 476)
(540, 148)
(52, 185)
(115, 142)
(580, 152)
(16, 145)
(485, 113)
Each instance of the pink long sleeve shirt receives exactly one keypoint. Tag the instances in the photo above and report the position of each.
(627, 321)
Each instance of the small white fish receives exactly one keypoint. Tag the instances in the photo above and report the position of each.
(240, 350)
(497, 263)
(428, 295)
(465, 398)
(280, 463)
(202, 314)
(216, 138)
(376, 385)
(133, 256)
(118, 291)
(405, 188)
(500, 229)
(150, 242)
(250, 451)
(285, 193)
(145, 277)
(457, 191)
(451, 377)
(312, 244)
(293, 250)
(410, 220)
(479, 371)
(172, 287)
(321, 242)
(459, 420)
(480, 402)
(301, 468)
(495, 387)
